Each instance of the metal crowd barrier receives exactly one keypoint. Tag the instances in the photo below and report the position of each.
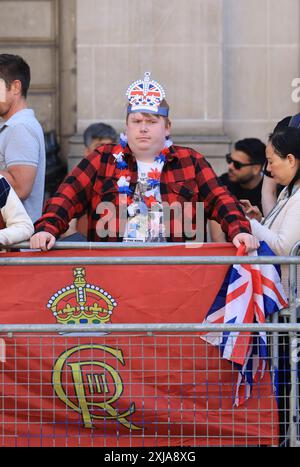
(290, 329)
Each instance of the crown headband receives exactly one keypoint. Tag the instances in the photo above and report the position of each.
(146, 96)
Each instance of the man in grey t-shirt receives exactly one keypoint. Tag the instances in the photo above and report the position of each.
(22, 145)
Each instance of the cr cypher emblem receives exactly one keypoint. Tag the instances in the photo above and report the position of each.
(90, 385)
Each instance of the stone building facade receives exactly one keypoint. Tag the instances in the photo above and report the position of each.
(230, 67)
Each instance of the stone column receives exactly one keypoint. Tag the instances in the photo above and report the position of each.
(67, 72)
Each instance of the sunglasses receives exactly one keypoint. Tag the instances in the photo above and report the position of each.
(236, 164)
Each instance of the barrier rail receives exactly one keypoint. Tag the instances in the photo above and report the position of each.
(191, 332)
(149, 327)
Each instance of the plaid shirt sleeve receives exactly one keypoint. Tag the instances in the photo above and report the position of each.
(72, 198)
(219, 203)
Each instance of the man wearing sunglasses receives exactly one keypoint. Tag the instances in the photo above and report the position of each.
(244, 177)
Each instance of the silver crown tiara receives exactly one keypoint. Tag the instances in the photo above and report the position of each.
(145, 96)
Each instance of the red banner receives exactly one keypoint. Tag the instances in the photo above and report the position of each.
(121, 389)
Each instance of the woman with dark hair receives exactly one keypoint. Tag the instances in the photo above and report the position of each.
(281, 230)
(281, 227)
(270, 189)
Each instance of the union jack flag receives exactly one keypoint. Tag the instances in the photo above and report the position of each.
(249, 294)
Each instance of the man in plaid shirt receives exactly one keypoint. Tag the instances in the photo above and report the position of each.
(140, 178)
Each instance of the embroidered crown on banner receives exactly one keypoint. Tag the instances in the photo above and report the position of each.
(81, 303)
(145, 94)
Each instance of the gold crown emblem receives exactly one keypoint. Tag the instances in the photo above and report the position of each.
(81, 303)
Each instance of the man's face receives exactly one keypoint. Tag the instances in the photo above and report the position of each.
(2, 91)
(240, 173)
(282, 169)
(95, 143)
(6, 99)
(146, 135)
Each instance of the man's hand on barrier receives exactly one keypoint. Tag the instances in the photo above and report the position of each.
(43, 241)
(251, 243)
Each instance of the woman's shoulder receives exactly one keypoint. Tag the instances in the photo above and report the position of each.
(295, 196)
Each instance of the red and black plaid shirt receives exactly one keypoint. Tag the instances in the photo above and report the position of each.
(186, 177)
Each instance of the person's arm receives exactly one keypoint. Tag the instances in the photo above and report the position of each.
(71, 199)
(21, 178)
(268, 194)
(219, 203)
(22, 153)
(216, 233)
(72, 229)
(19, 226)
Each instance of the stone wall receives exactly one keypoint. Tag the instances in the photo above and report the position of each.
(182, 47)
(227, 65)
(118, 40)
(29, 29)
(261, 58)
(43, 32)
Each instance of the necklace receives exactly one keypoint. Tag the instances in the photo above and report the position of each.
(153, 176)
